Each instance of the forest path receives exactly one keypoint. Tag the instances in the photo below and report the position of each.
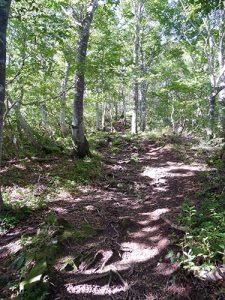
(142, 182)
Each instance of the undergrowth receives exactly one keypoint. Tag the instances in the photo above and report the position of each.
(203, 245)
(35, 263)
(16, 211)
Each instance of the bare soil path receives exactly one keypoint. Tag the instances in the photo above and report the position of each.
(143, 182)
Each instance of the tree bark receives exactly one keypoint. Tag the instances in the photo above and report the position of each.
(97, 115)
(81, 146)
(124, 107)
(111, 117)
(222, 113)
(221, 59)
(137, 16)
(4, 16)
(104, 106)
(144, 88)
(23, 124)
(212, 102)
(116, 110)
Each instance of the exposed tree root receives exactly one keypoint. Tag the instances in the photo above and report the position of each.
(174, 226)
(217, 274)
(100, 276)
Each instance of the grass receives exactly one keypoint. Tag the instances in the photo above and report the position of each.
(16, 210)
(27, 189)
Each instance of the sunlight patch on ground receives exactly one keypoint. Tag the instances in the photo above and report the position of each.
(155, 215)
(159, 175)
(137, 253)
(63, 194)
(150, 229)
(95, 289)
(61, 210)
(144, 232)
(10, 249)
(132, 253)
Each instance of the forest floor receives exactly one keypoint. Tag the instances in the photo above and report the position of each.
(125, 199)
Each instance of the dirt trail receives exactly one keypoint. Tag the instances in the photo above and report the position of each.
(142, 182)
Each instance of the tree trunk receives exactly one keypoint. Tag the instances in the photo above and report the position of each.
(4, 15)
(1, 201)
(135, 110)
(27, 130)
(124, 108)
(144, 88)
(103, 115)
(63, 126)
(137, 16)
(97, 116)
(222, 113)
(221, 59)
(111, 117)
(116, 110)
(23, 124)
(212, 103)
(81, 146)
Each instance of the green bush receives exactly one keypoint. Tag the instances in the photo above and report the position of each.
(203, 244)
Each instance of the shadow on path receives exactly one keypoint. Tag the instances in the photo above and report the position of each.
(141, 185)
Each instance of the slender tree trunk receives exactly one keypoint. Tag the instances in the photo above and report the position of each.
(104, 105)
(221, 59)
(212, 102)
(4, 15)
(144, 88)
(81, 146)
(222, 113)
(97, 116)
(1, 201)
(212, 97)
(116, 110)
(63, 126)
(134, 120)
(24, 125)
(111, 117)
(137, 13)
(124, 108)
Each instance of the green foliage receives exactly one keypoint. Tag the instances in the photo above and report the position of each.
(174, 139)
(206, 6)
(35, 263)
(10, 217)
(16, 211)
(87, 170)
(203, 243)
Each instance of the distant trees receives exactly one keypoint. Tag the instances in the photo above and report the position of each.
(206, 22)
